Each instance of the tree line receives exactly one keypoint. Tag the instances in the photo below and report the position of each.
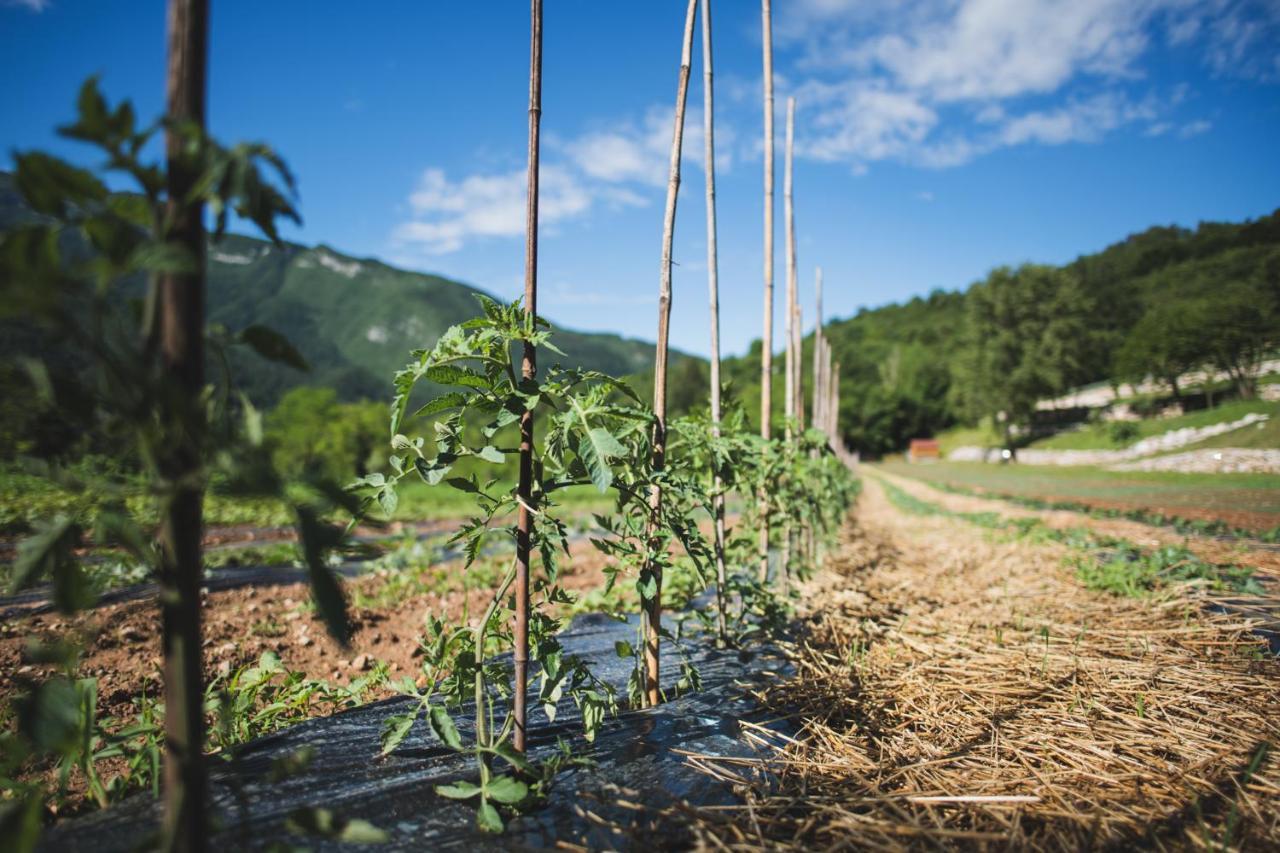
(1157, 304)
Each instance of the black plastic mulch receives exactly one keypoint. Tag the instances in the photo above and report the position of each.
(631, 796)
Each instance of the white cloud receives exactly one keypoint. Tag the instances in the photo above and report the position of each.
(1240, 38)
(860, 121)
(939, 82)
(640, 151)
(625, 165)
(1081, 121)
(1194, 128)
(447, 213)
(30, 5)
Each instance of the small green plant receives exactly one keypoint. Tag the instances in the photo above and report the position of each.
(588, 433)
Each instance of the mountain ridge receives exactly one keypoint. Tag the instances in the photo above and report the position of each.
(355, 320)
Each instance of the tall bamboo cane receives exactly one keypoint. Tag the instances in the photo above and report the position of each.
(528, 369)
(835, 407)
(181, 297)
(766, 344)
(819, 390)
(652, 616)
(792, 357)
(827, 396)
(788, 212)
(713, 286)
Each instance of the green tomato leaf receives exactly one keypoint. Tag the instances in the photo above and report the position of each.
(505, 789)
(458, 791)
(443, 728)
(395, 730)
(488, 819)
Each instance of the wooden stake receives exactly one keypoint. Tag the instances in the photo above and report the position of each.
(713, 286)
(528, 369)
(819, 389)
(766, 344)
(652, 616)
(181, 298)
(835, 407)
(788, 212)
(797, 347)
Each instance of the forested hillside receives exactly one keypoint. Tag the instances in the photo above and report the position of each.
(1158, 303)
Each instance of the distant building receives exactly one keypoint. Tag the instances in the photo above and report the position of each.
(923, 450)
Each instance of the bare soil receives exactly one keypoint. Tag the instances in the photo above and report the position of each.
(122, 641)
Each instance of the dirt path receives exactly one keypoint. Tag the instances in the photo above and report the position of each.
(1243, 552)
(959, 691)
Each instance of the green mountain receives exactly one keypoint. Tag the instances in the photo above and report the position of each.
(355, 320)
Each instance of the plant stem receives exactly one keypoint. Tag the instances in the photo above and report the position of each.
(652, 616)
(482, 628)
(528, 369)
(181, 306)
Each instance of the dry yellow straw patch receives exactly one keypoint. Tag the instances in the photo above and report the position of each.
(954, 690)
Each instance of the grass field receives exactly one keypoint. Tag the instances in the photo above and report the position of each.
(1103, 436)
(1250, 501)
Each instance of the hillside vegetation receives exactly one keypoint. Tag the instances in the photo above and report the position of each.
(1159, 303)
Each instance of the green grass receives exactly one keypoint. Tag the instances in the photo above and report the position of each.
(1134, 573)
(979, 436)
(1102, 563)
(1263, 436)
(1155, 493)
(1104, 436)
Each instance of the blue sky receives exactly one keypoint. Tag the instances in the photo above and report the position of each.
(935, 139)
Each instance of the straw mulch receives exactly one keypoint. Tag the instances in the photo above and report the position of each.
(954, 690)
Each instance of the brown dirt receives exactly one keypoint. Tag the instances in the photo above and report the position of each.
(955, 690)
(122, 647)
(1208, 548)
(1239, 518)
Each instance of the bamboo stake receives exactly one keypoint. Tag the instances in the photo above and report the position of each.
(652, 616)
(789, 408)
(819, 389)
(181, 298)
(835, 407)
(528, 369)
(797, 346)
(766, 347)
(828, 396)
(792, 357)
(713, 286)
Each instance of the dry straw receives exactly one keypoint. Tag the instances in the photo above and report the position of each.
(955, 690)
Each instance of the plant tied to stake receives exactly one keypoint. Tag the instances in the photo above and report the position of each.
(474, 426)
